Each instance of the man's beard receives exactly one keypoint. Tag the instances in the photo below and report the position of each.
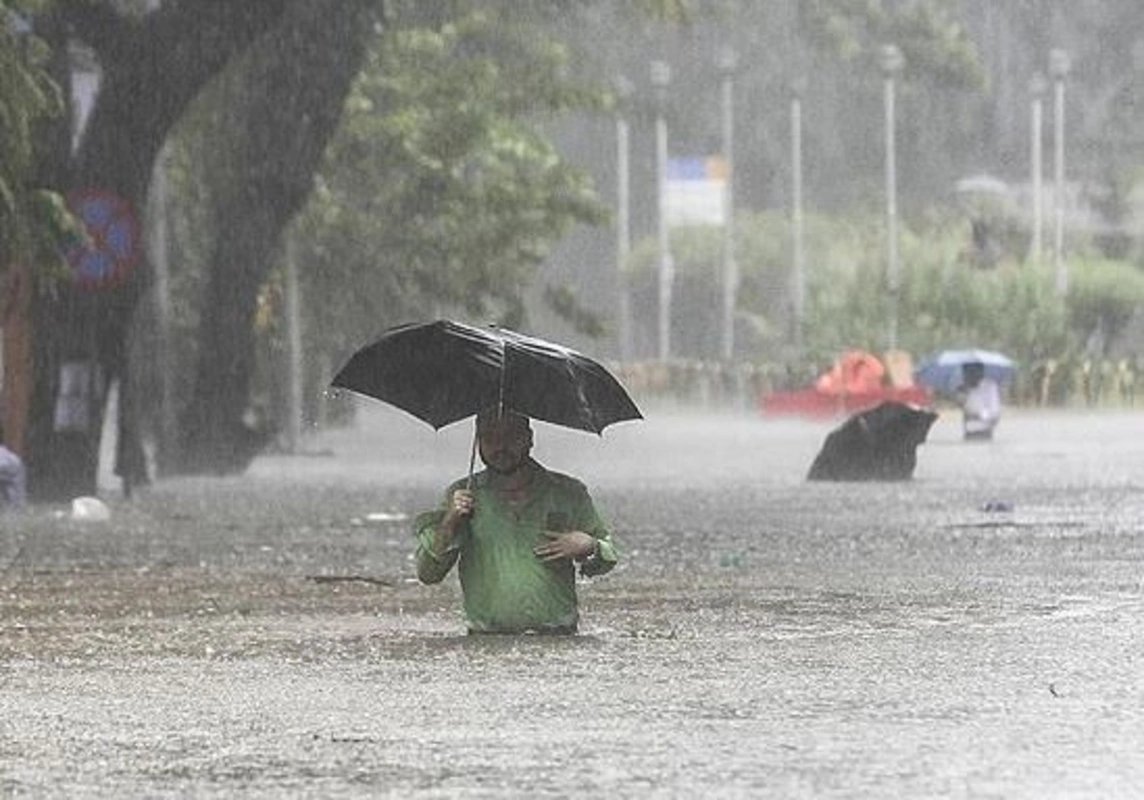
(505, 467)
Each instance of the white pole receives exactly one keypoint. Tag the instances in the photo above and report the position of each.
(623, 224)
(1037, 89)
(661, 76)
(294, 347)
(160, 255)
(1059, 67)
(726, 65)
(796, 215)
(891, 64)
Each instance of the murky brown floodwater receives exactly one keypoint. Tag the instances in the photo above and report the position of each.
(763, 637)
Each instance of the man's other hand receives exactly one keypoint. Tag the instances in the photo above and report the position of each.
(575, 545)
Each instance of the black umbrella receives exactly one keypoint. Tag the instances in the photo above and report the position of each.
(878, 444)
(445, 371)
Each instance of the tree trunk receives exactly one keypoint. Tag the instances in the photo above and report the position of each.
(150, 71)
(296, 85)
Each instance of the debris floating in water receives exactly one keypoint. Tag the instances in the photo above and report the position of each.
(89, 509)
(387, 516)
(348, 579)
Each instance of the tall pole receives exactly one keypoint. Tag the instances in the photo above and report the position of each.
(160, 259)
(726, 64)
(623, 224)
(660, 78)
(892, 63)
(798, 87)
(1059, 69)
(1037, 90)
(294, 347)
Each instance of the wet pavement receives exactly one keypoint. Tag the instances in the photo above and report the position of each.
(972, 633)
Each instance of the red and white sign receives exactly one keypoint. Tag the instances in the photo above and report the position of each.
(113, 248)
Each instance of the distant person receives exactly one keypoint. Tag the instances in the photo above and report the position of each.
(980, 399)
(13, 477)
(517, 534)
(879, 444)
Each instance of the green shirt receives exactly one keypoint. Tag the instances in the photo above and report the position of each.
(506, 587)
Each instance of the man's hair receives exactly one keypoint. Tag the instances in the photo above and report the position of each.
(503, 416)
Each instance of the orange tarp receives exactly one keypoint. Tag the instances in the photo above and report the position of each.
(856, 372)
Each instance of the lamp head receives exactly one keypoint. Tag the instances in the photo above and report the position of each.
(891, 60)
(1059, 64)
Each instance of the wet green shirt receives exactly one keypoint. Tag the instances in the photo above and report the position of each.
(505, 586)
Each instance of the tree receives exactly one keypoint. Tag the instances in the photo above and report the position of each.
(277, 114)
(943, 302)
(1104, 297)
(31, 218)
(440, 191)
(151, 67)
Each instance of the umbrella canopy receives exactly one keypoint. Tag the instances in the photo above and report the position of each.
(445, 371)
(982, 184)
(879, 444)
(943, 371)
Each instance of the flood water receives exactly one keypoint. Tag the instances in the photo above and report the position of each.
(762, 636)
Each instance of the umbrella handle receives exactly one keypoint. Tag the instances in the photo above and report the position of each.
(472, 459)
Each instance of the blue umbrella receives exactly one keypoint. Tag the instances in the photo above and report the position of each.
(942, 371)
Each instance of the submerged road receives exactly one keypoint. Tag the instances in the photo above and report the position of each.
(262, 636)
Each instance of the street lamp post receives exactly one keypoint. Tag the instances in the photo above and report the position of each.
(623, 224)
(892, 63)
(798, 266)
(1059, 70)
(295, 365)
(1037, 87)
(160, 257)
(660, 78)
(726, 63)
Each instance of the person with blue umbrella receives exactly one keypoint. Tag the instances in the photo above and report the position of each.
(973, 378)
(980, 398)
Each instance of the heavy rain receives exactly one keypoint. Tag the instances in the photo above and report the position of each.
(870, 272)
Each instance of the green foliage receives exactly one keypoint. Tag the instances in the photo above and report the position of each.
(1104, 296)
(441, 190)
(697, 251)
(567, 305)
(944, 301)
(931, 39)
(32, 220)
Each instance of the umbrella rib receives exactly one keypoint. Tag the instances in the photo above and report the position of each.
(501, 379)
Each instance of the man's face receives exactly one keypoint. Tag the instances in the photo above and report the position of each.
(504, 443)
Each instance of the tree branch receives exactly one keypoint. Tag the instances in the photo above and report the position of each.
(188, 42)
(95, 24)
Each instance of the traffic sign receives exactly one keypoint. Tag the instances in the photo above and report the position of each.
(113, 248)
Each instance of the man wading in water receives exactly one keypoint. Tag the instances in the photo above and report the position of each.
(517, 532)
